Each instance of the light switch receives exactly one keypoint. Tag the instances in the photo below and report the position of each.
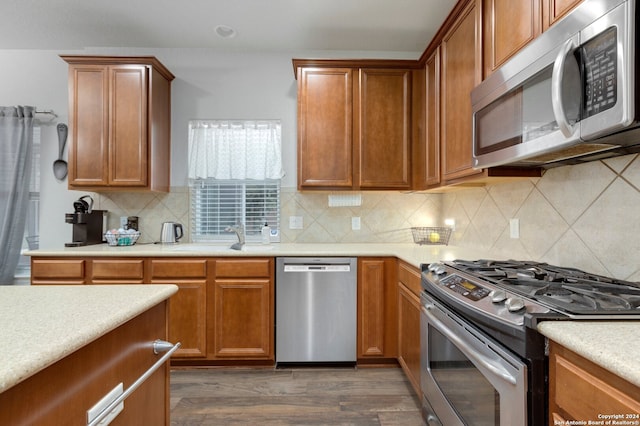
(355, 223)
(514, 228)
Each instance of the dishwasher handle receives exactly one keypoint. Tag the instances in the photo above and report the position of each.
(317, 267)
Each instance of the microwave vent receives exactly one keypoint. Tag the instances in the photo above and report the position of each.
(571, 152)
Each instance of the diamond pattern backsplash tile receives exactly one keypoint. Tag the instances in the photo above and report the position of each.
(583, 216)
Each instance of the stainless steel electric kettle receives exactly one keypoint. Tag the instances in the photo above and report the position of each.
(171, 232)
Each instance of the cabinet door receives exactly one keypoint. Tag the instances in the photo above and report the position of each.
(554, 10)
(507, 27)
(432, 120)
(409, 335)
(460, 74)
(244, 319)
(188, 307)
(377, 308)
(384, 122)
(325, 127)
(88, 125)
(128, 126)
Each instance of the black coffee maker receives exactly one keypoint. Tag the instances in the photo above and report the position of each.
(89, 225)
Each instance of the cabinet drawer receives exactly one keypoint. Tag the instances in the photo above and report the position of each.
(179, 268)
(118, 269)
(583, 391)
(58, 269)
(410, 277)
(244, 268)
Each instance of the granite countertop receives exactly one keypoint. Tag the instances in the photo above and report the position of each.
(613, 345)
(43, 324)
(411, 253)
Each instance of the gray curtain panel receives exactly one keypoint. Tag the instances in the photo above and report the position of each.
(16, 144)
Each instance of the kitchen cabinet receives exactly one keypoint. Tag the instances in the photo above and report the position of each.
(554, 10)
(377, 310)
(580, 390)
(243, 305)
(116, 271)
(62, 392)
(188, 308)
(461, 72)
(57, 271)
(506, 28)
(119, 122)
(354, 124)
(426, 148)
(409, 289)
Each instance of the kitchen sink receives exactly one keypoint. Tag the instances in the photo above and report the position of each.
(220, 248)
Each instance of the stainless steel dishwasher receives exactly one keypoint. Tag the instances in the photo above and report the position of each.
(316, 309)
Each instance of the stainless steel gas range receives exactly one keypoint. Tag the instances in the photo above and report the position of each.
(482, 360)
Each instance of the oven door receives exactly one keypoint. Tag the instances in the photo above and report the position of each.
(466, 377)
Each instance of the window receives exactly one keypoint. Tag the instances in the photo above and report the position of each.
(216, 205)
(234, 177)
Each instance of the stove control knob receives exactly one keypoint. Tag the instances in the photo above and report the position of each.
(437, 268)
(498, 296)
(514, 304)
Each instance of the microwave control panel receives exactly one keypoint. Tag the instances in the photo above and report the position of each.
(599, 59)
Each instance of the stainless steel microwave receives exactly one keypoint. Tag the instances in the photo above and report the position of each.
(568, 97)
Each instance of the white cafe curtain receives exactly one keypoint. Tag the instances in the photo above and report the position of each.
(235, 149)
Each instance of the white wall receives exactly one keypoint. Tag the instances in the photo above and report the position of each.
(208, 84)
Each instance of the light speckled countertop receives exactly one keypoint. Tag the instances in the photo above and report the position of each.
(613, 345)
(411, 253)
(42, 324)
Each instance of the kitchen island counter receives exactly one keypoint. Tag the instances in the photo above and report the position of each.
(43, 324)
(613, 345)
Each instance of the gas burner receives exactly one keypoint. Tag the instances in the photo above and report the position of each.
(564, 289)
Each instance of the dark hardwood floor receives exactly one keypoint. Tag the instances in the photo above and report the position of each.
(293, 396)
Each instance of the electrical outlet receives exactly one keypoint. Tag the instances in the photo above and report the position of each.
(123, 222)
(296, 222)
(355, 223)
(514, 228)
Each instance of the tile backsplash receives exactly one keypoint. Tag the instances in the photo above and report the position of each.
(583, 216)
(384, 216)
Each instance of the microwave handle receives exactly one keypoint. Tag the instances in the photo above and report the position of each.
(556, 89)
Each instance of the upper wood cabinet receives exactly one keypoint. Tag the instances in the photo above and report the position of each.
(461, 72)
(119, 123)
(554, 10)
(507, 26)
(354, 124)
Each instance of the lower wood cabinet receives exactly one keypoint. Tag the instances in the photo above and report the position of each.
(243, 306)
(409, 289)
(581, 391)
(58, 271)
(377, 310)
(188, 308)
(62, 393)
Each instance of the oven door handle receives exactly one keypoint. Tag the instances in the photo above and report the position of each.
(488, 363)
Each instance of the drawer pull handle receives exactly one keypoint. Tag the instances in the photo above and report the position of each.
(158, 346)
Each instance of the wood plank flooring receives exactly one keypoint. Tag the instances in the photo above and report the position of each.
(293, 396)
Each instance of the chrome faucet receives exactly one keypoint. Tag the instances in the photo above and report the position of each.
(239, 230)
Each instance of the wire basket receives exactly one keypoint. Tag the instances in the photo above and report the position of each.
(431, 235)
(122, 238)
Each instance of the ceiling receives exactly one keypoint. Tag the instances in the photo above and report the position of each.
(260, 25)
